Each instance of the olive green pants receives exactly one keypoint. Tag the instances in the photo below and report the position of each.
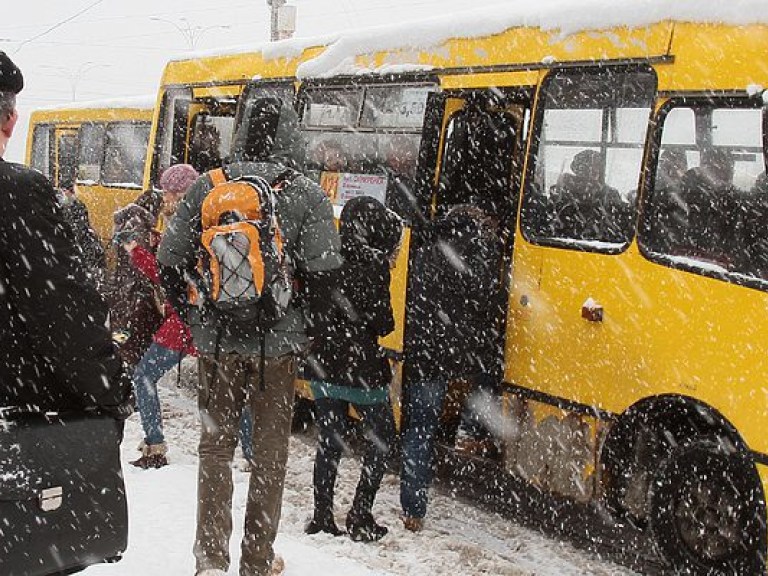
(224, 387)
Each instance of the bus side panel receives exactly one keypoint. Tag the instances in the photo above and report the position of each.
(663, 331)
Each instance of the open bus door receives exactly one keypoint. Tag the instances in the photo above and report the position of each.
(476, 160)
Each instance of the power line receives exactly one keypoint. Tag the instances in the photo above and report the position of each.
(57, 25)
(139, 16)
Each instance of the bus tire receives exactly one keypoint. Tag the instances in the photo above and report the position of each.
(708, 513)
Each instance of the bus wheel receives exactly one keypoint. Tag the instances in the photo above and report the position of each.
(708, 511)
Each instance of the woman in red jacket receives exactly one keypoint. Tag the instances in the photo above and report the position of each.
(172, 341)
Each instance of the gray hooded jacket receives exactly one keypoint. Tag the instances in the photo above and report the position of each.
(310, 238)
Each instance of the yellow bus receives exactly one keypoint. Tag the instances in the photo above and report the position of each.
(98, 148)
(626, 167)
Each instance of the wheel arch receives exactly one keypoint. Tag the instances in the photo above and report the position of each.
(688, 417)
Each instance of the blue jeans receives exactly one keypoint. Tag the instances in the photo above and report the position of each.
(424, 405)
(155, 363)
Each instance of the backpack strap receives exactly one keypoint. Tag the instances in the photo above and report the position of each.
(217, 176)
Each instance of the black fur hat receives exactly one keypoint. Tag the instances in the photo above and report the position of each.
(11, 79)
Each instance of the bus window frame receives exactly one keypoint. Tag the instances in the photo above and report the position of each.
(362, 83)
(170, 95)
(427, 154)
(534, 143)
(713, 101)
(49, 129)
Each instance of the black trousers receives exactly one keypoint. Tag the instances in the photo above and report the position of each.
(334, 427)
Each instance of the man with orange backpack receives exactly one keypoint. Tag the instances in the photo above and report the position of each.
(242, 235)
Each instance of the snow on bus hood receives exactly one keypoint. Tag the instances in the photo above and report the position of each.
(566, 16)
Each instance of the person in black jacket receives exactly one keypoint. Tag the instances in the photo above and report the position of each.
(350, 367)
(56, 350)
(452, 333)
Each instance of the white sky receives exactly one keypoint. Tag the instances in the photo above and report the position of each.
(113, 48)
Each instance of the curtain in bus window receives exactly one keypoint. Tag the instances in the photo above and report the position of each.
(709, 202)
(587, 167)
(126, 149)
(90, 153)
(41, 150)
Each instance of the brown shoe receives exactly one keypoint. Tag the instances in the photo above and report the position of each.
(413, 524)
(278, 565)
(152, 456)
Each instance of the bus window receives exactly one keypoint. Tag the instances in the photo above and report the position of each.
(365, 141)
(90, 153)
(587, 167)
(67, 159)
(125, 151)
(41, 150)
(709, 200)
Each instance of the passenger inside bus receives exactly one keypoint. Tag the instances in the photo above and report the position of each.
(708, 195)
(205, 152)
(478, 156)
(400, 167)
(667, 206)
(332, 156)
(587, 208)
(755, 217)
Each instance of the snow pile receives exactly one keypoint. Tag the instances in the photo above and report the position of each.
(564, 16)
(291, 48)
(457, 539)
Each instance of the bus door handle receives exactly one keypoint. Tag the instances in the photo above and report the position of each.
(592, 311)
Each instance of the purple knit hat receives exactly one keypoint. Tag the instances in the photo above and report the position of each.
(178, 178)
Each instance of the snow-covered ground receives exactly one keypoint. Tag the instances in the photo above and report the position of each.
(457, 539)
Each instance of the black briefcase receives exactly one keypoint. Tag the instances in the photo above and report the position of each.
(62, 496)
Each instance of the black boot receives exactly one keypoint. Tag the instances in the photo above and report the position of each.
(323, 523)
(363, 528)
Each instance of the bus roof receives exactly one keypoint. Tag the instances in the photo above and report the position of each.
(238, 64)
(128, 108)
(544, 30)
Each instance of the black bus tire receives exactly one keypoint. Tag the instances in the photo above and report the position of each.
(708, 512)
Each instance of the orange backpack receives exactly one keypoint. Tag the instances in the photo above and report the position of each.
(243, 264)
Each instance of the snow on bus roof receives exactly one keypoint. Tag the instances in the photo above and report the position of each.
(145, 102)
(290, 48)
(565, 16)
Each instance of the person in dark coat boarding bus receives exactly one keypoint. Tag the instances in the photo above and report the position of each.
(56, 349)
(451, 335)
(349, 367)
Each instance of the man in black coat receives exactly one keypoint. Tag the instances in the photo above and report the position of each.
(452, 333)
(56, 350)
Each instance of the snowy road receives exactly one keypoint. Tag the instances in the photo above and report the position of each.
(458, 539)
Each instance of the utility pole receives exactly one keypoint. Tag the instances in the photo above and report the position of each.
(282, 20)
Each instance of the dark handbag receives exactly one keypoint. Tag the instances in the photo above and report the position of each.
(62, 496)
